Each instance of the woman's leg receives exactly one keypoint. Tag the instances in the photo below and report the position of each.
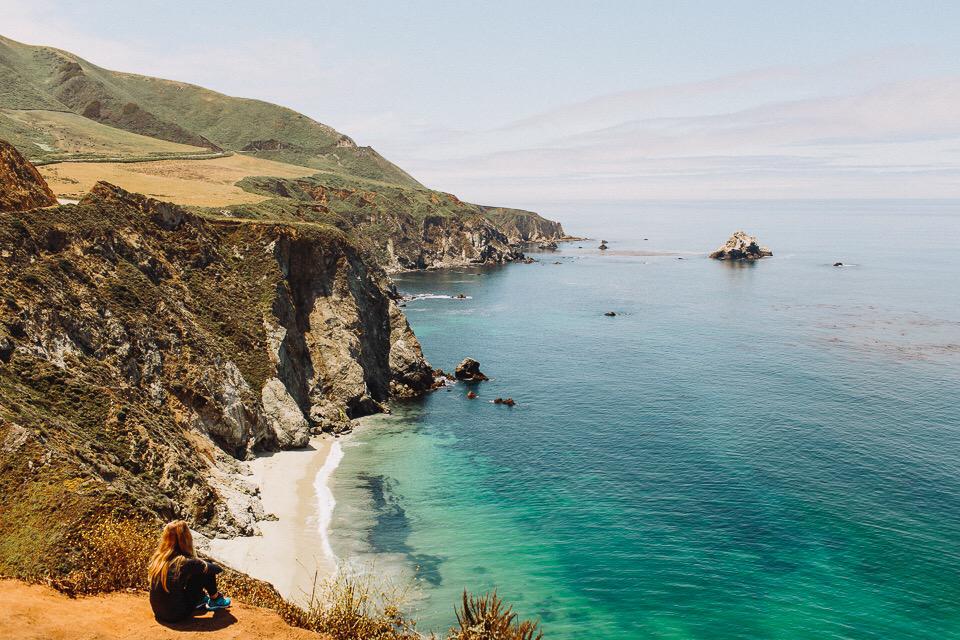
(200, 582)
(211, 579)
(193, 590)
(210, 585)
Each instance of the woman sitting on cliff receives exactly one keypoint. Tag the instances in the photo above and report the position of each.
(178, 578)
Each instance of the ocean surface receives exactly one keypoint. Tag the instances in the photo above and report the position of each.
(766, 450)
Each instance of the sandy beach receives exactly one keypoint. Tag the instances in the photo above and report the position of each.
(295, 548)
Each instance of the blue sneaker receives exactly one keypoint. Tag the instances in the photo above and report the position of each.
(203, 603)
(220, 603)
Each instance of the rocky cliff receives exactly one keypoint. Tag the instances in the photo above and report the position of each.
(21, 185)
(403, 228)
(145, 349)
(522, 227)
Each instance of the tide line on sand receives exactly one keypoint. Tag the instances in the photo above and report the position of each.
(294, 550)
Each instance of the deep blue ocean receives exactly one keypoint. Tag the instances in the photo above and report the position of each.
(768, 450)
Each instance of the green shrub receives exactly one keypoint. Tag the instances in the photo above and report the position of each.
(485, 618)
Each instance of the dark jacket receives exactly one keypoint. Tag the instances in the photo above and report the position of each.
(186, 580)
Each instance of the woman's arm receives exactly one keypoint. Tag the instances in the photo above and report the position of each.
(194, 566)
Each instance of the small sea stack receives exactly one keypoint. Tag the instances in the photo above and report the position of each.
(610, 314)
(741, 246)
(469, 371)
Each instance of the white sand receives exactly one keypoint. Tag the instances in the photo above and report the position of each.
(295, 549)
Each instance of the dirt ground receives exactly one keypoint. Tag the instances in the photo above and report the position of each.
(37, 612)
(205, 183)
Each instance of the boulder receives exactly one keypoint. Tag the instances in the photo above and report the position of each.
(610, 314)
(469, 370)
(471, 395)
(838, 264)
(741, 246)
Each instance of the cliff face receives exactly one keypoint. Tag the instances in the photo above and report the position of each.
(439, 241)
(403, 228)
(143, 350)
(21, 185)
(522, 227)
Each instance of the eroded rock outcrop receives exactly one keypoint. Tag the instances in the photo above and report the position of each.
(145, 350)
(469, 370)
(741, 246)
(21, 185)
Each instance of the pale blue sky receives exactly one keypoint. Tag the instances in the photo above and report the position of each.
(509, 99)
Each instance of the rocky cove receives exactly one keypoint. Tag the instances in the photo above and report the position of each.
(147, 351)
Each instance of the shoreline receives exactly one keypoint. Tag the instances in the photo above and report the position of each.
(293, 552)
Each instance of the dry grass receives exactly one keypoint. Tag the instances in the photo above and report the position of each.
(486, 617)
(203, 183)
(109, 556)
(364, 607)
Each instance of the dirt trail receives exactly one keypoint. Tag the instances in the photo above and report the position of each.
(38, 612)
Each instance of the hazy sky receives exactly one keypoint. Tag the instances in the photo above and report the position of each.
(527, 102)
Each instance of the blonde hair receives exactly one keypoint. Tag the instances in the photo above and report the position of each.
(175, 541)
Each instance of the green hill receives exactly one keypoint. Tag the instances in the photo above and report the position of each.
(48, 79)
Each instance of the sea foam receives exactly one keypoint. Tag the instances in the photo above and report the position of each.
(325, 499)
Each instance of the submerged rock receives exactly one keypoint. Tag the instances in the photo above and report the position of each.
(469, 370)
(741, 246)
(610, 314)
(441, 379)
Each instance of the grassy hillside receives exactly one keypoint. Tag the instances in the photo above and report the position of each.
(43, 78)
(50, 136)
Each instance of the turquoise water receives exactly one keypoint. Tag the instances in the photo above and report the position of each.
(754, 451)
